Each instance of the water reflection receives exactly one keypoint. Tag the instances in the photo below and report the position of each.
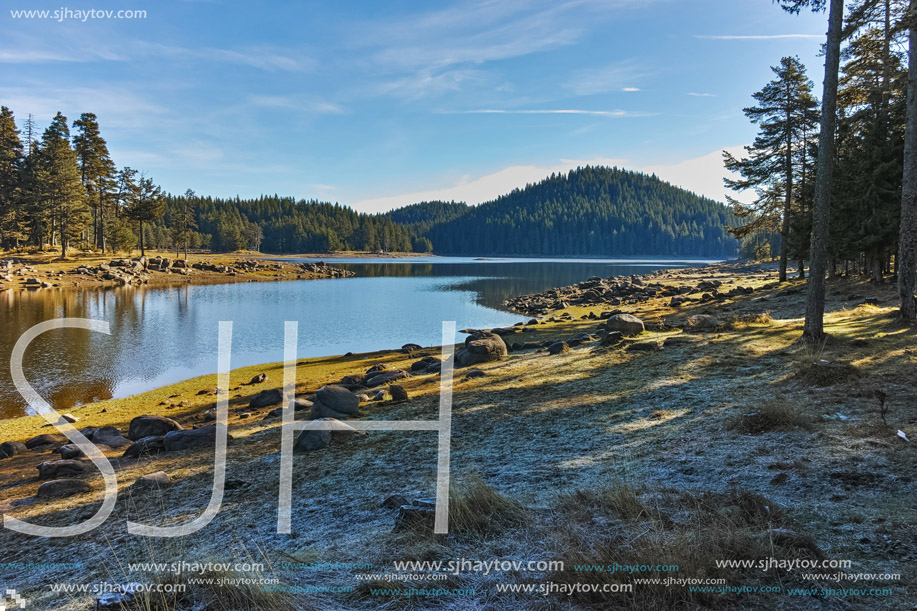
(163, 335)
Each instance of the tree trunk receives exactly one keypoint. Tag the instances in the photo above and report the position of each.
(907, 253)
(814, 329)
(802, 270)
(785, 230)
(142, 250)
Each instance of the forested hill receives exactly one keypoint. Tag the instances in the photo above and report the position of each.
(593, 211)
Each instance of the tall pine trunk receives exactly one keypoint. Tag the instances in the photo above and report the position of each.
(814, 329)
(907, 253)
(785, 229)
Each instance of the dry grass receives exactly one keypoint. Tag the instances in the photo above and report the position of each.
(476, 508)
(773, 415)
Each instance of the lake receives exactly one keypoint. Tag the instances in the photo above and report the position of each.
(164, 335)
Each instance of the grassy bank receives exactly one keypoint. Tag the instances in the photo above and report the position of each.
(731, 443)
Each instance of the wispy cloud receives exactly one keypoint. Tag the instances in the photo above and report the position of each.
(296, 102)
(426, 83)
(759, 36)
(620, 76)
(555, 111)
(631, 89)
(263, 58)
(702, 95)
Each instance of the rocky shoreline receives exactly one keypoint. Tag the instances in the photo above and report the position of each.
(26, 274)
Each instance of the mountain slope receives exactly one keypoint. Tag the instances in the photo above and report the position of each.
(590, 211)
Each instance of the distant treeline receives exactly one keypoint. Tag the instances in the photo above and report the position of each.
(65, 191)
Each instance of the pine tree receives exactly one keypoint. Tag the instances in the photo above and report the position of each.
(12, 219)
(61, 191)
(146, 206)
(813, 330)
(184, 222)
(96, 172)
(907, 257)
(785, 114)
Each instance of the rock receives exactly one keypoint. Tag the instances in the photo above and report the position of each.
(205, 436)
(474, 373)
(398, 392)
(59, 468)
(152, 481)
(321, 411)
(379, 368)
(71, 450)
(385, 377)
(310, 440)
(380, 396)
(702, 322)
(110, 436)
(301, 405)
(258, 379)
(424, 363)
(394, 502)
(612, 338)
(338, 399)
(61, 488)
(151, 426)
(675, 340)
(409, 348)
(626, 324)
(70, 418)
(45, 440)
(267, 397)
(481, 347)
(9, 449)
(558, 347)
(123, 598)
(145, 446)
(352, 380)
(650, 346)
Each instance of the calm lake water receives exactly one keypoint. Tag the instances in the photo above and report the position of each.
(164, 335)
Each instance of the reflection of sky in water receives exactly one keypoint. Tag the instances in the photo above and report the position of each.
(163, 335)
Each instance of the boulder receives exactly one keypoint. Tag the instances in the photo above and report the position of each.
(151, 426)
(385, 377)
(205, 436)
(338, 399)
(110, 436)
(409, 348)
(626, 324)
(474, 373)
(398, 393)
(71, 450)
(612, 338)
(11, 448)
(145, 446)
(558, 347)
(481, 347)
(152, 481)
(62, 487)
(424, 363)
(258, 379)
(650, 346)
(267, 397)
(702, 322)
(60, 468)
(309, 440)
(321, 411)
(45, 440)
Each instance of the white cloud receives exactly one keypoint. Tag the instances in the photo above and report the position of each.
(702, 95)
(630, 89)
(702, 175)
(263, 58)
(617, 76)
(557, 111)
(761, 36)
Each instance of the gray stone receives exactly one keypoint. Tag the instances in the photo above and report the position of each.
(45, 440)
(702, 322)
(151, 426)
(558, 347)
(309, 440)
(481, 347)
(338, 399)
(11, 448)
(61, 488)
(145, 446)
(650, 346)
(258, 379)
(195, 438)
(321, 411)
(152, 481)
(626, 324)
(398, 393)
(71, 450)
(59, 468)
(110, 436)
(267, 397)
(386, 377)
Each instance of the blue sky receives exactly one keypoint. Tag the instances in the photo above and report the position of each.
(379, 104)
